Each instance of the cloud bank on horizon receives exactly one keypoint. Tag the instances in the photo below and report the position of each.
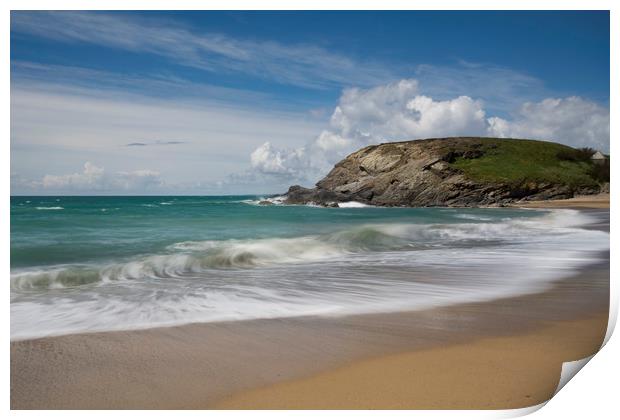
(398, 111)
(93, 178)
(232, 110)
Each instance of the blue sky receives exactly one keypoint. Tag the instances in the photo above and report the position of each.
(250, 102)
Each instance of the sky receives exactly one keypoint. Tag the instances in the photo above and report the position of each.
(207, 102)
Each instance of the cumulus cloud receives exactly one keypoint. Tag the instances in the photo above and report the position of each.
(268, 160)
(574, 121)
(399, 111)
(90, 178)
(396, 111)
(445, 118)
(93, 179)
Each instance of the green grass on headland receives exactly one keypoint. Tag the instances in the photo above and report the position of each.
(520, 161)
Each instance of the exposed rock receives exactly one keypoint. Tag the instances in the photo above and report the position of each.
(300, 195)
(420, 173)
(605, 188)
(265, 203)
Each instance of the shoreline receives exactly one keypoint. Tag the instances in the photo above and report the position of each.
(598, 201)
(581, 202)
(199, 366)
(506, 365)
(224, 364)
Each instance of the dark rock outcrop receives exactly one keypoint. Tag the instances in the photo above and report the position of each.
(420, 173)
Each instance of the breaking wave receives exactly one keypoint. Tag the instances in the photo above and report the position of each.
(277, 200)
(352, 205)
(370, 267)
(55, 278)
(192, 257)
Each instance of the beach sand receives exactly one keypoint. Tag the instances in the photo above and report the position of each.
(492, 373)
(500, 354)
(213, 365)
(596, 201)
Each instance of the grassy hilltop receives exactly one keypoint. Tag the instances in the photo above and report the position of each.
(517, 161)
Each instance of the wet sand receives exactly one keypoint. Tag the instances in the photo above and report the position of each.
(493, 352)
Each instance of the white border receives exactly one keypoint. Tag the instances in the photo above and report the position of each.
(592, 394)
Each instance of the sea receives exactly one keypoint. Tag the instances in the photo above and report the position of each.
(86, 264)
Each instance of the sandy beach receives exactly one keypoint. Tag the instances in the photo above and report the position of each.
(595, 201)
(213, 365)
(505, 353)
(491, 373)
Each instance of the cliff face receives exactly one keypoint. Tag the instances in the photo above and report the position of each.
(451, 172)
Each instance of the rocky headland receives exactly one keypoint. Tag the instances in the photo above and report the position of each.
(458, 171)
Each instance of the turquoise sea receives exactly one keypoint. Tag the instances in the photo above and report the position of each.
(108, 263)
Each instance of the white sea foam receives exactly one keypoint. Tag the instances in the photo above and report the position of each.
(365, 268)
(50, 208)
(193, 246)
(197, 256)
(352, 205)
(468, 216)
(277, 200)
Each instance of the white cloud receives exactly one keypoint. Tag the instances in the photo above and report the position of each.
(73, 125)
(574, 121)
(445, 118)
(93, 179)
(268, 160)
(397, 111)
(301, 65)
(90, 178)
